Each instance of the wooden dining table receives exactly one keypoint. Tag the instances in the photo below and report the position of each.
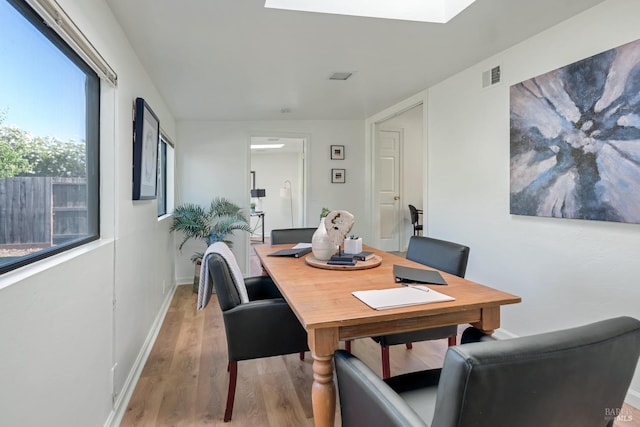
(323, 302)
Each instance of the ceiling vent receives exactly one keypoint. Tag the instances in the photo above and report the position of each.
(491, 77)
(340, 76)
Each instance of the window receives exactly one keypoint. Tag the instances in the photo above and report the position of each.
(49, 141)
(165, 176)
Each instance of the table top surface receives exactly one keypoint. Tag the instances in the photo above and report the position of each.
(322, 298)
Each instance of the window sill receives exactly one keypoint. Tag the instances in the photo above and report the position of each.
(16, 276)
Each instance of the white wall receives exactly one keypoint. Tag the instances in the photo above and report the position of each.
(59, 331)
(568, 272)
(214, 161)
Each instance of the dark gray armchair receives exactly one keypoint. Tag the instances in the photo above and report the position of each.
(445, 256)
(291, 235)
(263, 327)
(569, 378)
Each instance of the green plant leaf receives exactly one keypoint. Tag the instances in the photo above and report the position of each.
(221, 219)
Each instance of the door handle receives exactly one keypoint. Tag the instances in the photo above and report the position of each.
(396, 198)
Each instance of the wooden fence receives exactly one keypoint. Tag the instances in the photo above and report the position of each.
(42, 211)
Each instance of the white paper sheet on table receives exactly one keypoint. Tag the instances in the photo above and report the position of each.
(384, 299)
(302, 246)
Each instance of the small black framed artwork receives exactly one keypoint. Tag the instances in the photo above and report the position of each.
(338, 176)
(146, 137)
(337, 152)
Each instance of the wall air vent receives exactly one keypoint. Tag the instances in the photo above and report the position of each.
(491, 77)
(340, 76)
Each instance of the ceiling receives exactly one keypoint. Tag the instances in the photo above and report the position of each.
(236, 60)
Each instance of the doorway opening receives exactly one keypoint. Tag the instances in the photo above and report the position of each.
(278, 183)
(399, 178)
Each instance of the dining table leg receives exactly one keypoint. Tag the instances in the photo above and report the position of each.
(323, 343)
(490, 320)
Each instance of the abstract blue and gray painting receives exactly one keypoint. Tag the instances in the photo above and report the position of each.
(575, 140)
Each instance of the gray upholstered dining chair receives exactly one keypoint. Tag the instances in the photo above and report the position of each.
(264, 326)
(291, 235)
(440, 254)
(568, 378)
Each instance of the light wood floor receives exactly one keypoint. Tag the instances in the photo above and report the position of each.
(184, 381)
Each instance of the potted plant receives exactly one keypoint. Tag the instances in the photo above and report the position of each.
(210, 225)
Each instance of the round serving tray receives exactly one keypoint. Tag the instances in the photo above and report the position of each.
(360, 265)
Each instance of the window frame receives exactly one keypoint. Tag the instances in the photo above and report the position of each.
(162, 177)
(92, 148)
(166, 152)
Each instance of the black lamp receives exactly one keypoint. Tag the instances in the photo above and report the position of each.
(258, 192)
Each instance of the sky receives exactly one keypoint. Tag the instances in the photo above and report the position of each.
(41, 91)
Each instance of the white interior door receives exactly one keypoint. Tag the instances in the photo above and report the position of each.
(388, 188)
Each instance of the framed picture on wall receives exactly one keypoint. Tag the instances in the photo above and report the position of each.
(337, 152)
(338, 176)
(146, 137)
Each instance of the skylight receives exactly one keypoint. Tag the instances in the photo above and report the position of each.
(439, 11)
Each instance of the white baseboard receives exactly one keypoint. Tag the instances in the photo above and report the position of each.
(184, 280)
(120, 406)
(633, 398)
(503, 334)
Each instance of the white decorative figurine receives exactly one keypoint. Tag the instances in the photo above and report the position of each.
(338, 225)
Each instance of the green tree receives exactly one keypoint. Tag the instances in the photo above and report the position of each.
(13, 143)
(23, 155)
(53, 157)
